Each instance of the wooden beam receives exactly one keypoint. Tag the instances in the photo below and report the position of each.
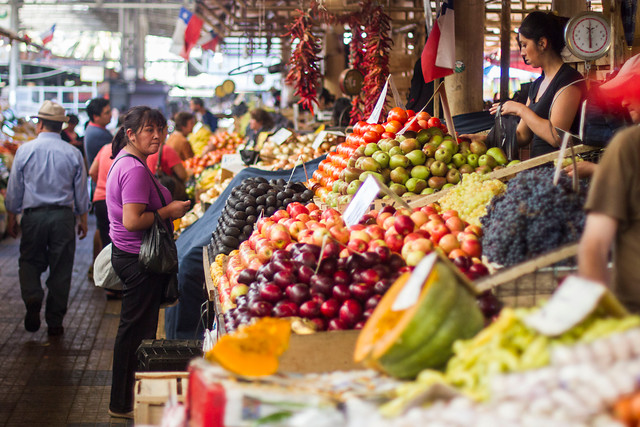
(505, 49)
(226, 28)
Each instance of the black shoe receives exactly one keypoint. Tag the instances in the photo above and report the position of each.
(126, 415)
(32, 318)
(55, 331)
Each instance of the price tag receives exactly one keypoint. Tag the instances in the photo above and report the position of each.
(280, 136)
(569, 305)
(232, 162)
(319, 139)
(375, 114)
(360, 203)
(410, 293)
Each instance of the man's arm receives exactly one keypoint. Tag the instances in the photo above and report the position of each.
(595, 244)
(82, 226)
(13, 228)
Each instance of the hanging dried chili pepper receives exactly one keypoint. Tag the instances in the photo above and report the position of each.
(304, 72)
(376, 60)
(357, 62)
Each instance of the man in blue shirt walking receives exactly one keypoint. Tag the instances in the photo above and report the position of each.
(206, 117)
(48, 184)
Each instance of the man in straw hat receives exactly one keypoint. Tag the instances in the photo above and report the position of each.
(48, 184)
(613, 204)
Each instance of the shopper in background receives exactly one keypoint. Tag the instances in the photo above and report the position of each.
(613, 203)
(541, 40)
(205, 116)
(96, 135)
(48, 184)
(261, 121)
(175, 174)
(178, 139)
(98, 173)
(132, 201)
(69, 133)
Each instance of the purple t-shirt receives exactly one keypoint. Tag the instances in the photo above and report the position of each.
(129, 181)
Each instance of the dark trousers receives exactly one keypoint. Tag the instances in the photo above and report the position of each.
(48, 240)
(102, 221)
(138, 321)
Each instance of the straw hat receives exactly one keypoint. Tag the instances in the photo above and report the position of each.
(52, 111)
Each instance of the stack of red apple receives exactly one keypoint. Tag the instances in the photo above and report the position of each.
(329, 170)
(410, 234)
(339, 293)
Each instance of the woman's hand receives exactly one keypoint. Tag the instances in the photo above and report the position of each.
(510, 107)
(585, 169)
(474, 136)
(175, 209)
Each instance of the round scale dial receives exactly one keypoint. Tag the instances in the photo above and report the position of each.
(588, 35)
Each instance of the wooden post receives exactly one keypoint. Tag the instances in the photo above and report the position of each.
(465, 89)
(334, 59)
(505, 49)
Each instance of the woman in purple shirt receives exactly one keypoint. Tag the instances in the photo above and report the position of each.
(132, 199)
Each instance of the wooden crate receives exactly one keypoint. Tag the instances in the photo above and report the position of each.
(153, 390)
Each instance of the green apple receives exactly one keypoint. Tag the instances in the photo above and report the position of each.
(450, 144)
(436, 131)
(453, 176)
(371, 148)
(345, 200)
(366, 174)
(429, 150)
(409, 144)
(498, 155)
(430, 161)
(444, 155)
(382, 158)
(353, 186)
(513, 162)
(447, 185)
(436, 182)
(395, 151)
(483, 169)
(399, 189)
(466, 168)
(457, 159)
(368, 164)
(352, 173)
(472, 160)
(487, 160)
(423, 136)
(427, 191)
(415, 185)
(399, 160)
(388, 145)
(409, 134)
(399, 175)
(464, 148)
(360, 150)
(478, 147)
(436, 139)
(417, 157)
(420, 172)
(438, 168)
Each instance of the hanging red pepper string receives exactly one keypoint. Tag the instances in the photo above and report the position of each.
(304, 72)
(357, 62)
(376, 61)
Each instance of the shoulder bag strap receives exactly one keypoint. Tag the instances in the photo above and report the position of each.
(159, 171)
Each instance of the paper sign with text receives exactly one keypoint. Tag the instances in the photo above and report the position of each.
(410, 293)
(361, 202)
(571, 303)
(280, 136)
(377, 110)
(232, 162)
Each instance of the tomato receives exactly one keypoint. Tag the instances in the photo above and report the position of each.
(434, 121)
(370, 136)
(393, 126)
(379, 129)
(317, 174)
(397, 114)
(388, 135)
(414, 126)
(411, 113)
(359, 127)
(352, 138)
(424, 124)
(423, 115)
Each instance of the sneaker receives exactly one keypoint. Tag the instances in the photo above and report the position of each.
(32, 318)
(55, 331)
(127, 415)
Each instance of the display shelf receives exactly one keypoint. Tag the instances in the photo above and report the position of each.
(212, 291)
(153, 390)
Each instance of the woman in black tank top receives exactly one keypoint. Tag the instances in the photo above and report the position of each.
(541, 41)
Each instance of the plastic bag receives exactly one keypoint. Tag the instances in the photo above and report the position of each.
(104, 276)
(171, 293)
(158, 253)
(503, 135)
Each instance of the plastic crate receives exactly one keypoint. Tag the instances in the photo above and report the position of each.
(167, 355)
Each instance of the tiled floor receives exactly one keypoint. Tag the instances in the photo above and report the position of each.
(61, 381)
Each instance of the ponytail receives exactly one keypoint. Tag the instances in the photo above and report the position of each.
(119, 141)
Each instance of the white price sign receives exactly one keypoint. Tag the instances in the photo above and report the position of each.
(569, 305)
(410, 293)
(280, 136)
(232, 162)
(366, 194)
(319, 139)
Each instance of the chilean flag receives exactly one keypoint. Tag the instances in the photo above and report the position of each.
(439, 54)
(209, 41)
(47, 36)
(186, 34)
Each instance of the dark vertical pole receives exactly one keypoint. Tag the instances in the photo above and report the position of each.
(505, 48)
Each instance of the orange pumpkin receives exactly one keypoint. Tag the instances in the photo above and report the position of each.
(253, 350)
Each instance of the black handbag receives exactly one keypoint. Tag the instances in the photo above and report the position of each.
(158, 252)
(503, 135)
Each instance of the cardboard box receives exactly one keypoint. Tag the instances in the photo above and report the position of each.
(320, 352)
(153, 390)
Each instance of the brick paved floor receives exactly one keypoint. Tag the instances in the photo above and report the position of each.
(62, 381)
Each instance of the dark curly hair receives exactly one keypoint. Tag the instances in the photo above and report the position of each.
(544, 24)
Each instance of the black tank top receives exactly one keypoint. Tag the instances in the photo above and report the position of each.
(563, 77)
